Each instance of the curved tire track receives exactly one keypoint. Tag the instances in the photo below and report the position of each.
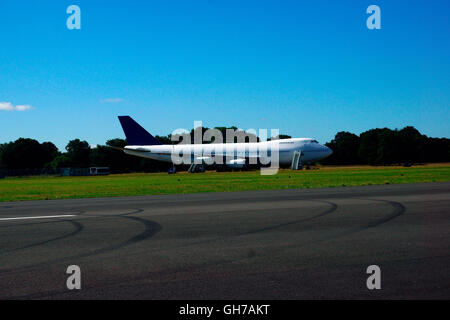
(328, 211)
(399, 209)
(281, 225)
(150, 229)
(78, 228)
(77, 225)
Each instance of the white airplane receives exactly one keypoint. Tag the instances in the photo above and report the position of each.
(289, 152)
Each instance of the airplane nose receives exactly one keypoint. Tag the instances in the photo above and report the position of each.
(330, 152)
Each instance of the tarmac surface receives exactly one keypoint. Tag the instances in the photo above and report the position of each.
(284, 244)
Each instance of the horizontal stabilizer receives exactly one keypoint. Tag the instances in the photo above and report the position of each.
(115, 148)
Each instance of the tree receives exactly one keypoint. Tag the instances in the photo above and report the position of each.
(238, 136)
(372, 149)
(50, 151)
(116, 160)
(386, 146)
(164, 139)
(78, 152)
(119, 161)
(436, 150)
(3, 146)
(279, 137)
(345, 147)
(61, 161)
(410, 144)
(119, 143)
(27, 154)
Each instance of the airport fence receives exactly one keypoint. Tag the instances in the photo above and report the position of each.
(64, 172)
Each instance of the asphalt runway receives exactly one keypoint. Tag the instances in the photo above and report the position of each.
(285, 244)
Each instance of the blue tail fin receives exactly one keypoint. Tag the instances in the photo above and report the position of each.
(136, 135)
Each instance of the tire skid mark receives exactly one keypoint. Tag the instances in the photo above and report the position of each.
(399, 209)
(333, 207)
(78, 228)
(151, 228)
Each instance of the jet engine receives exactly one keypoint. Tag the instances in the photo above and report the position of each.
(236, 164)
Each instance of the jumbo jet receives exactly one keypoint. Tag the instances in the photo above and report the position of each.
(289, 152)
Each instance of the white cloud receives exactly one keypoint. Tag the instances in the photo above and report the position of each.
(111, 100)
(8, 106)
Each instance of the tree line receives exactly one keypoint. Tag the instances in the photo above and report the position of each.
(385, 146)
(26, 153)
(375, 147)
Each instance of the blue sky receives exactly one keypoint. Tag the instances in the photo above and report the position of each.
(309, 68)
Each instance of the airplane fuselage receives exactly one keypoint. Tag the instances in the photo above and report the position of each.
(310, 150)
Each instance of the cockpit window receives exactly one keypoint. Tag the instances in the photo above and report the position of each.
(314, 141)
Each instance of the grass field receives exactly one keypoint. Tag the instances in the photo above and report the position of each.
(44, 188)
